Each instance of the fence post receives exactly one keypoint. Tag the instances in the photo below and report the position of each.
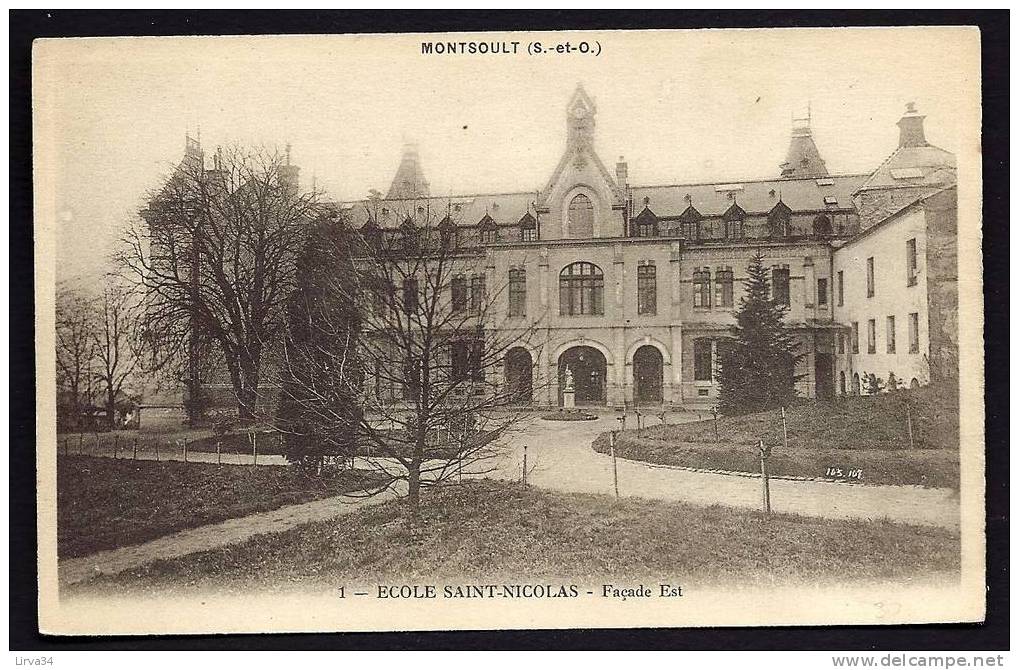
(116, 445)
(524, 473)
(909, 425)
(615, 471)
(219, 453)
(785, 432)
(714, 413)
(254, 448)
(765, 488)
(134, 451)
(185, 442)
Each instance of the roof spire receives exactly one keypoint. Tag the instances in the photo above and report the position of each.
(409, 181)
(803, 159)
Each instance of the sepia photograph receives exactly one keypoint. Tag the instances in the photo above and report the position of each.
(487, 331)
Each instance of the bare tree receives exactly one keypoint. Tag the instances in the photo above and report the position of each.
(120, 350)
(215, 257)
(75, 343)
(428, 364)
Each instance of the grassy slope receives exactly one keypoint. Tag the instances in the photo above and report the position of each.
(489, 530)
(862, 432)
(104, 503)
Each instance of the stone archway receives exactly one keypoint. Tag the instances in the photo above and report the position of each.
(519, 378)
(648, 375)
(590, 374)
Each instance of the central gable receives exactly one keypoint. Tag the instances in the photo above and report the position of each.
(581, 198)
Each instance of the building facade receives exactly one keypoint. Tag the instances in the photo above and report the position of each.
(635, 287)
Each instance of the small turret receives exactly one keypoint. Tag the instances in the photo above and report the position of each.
(409, 181)
(803, 159)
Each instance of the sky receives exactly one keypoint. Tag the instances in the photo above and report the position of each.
(681, 106)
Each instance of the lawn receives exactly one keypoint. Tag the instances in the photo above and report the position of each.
(489, 531)
(868, 433)
(104, 503)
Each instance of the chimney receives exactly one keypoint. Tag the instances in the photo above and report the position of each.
(911, 128)
(289, 173)
(621, 172)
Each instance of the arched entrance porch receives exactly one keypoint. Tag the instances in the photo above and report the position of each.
(588, 367)
(648, 374)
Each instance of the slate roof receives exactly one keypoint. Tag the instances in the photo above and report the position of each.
(504, 209)
(754, 197)
(667, 202)
(931, 165)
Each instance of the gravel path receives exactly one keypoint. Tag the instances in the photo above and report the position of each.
(211, 536)
(559, 458)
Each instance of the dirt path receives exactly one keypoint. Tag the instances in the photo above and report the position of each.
(212, 536)
(560, 458)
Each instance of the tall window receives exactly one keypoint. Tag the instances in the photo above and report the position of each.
(410, 295)
(890, 335)
(702, 363)
(529, 233)
(581, 286)
(856, 337)
(702, 288)
(842, 290)
(517, 292)
(723, 288)
(465, 360)
(911, 262)
(822, 292)
(411, 378)
(580, 222)
(477, 293)
(914, 332)
(870, 277)
(647, 289)
(871, 336)
(460, 294)
(780, 285)
(841, 340)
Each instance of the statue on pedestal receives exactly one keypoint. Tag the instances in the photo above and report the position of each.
(569, 397)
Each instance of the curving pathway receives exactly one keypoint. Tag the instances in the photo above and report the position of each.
(560, 458)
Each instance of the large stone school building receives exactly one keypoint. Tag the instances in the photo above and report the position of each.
(636, 286)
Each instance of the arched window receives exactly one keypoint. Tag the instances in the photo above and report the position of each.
(842, 383)
(856, 383)
(581, 286)
(580, 222)
(822, 226)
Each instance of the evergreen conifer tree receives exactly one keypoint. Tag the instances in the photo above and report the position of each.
(757, 366)
(319, 408)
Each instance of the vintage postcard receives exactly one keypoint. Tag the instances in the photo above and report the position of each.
(509, 330)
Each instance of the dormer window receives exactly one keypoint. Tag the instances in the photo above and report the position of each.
(528, 228)
(778, 220)
(409, 236)
(689, 220)
(733, 218)
(489, 231)
(646, 223)
(447, 233)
